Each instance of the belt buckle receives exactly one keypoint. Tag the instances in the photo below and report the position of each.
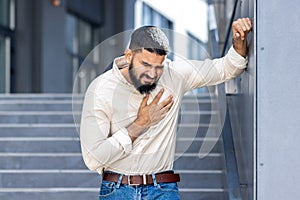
(132, 184)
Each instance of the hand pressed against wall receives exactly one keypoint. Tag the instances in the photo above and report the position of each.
(240, 30)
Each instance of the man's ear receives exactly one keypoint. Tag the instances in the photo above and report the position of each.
(128, 55)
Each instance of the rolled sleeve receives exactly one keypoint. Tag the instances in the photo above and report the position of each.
(123, 138)
(236, 59)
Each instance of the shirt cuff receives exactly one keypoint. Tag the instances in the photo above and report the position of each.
(236, 59)
(123, 138)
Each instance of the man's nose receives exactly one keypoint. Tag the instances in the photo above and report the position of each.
(152, 72)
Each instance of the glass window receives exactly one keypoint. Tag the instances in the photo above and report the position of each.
(2, 64)
(6, 34)
(152, 17)
(85, 38)
(71, 34)
(196, 48)
(197, 51)
(4, 13)
(81, 38)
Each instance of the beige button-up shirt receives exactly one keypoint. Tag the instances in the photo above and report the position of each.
(111, 104)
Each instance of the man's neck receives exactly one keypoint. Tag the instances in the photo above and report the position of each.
(125, 73)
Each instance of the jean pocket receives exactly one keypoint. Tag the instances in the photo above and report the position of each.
(168, 187)
(107, 188)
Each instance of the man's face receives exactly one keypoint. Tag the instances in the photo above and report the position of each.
(145, 69)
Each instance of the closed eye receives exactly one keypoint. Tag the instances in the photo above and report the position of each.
(146, 64)
(159, 67)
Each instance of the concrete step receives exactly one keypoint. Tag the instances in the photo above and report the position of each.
(84, 178)
(69, 105)
(41, 145)
(49, 193)
(198, 104)
(204, 180)
(42, 105)
(37, 117)
(38, 130)
(209, 162)
(41, 96)
(187, 161)
(41, 161)
(68, 117)
(40, 151)
(198, 130)
(62, 96)
(193, 145)
(92, 193)
(46, 179)
(72, 145)
(203, 194)
(200, 96)
(62, 183)
(205, 117)
(70, 130)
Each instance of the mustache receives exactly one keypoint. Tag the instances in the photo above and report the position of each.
(148, 77)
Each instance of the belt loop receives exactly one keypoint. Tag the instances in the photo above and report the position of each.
(154, 179)
(119, 181)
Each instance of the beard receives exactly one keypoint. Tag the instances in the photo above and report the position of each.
(142, 88)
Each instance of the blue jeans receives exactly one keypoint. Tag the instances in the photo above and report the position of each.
(157, 191)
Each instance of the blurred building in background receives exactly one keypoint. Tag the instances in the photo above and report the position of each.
(43, 42)
(52, 46)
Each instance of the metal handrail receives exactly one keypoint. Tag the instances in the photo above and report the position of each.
(229, 27)
(230, 159)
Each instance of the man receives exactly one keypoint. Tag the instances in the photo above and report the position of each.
(129, 117)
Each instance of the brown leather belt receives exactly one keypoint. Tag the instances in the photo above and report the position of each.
(142, 179)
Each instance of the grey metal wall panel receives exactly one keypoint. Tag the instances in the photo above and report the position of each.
(278, 109)
(241, 111)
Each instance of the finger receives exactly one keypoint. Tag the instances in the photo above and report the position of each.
(247, 24)
(250, 23)
(242, 24)
(237, 28)
(163, 115)
(145, 100)
(168, 106)
(166, 101)
(166, 109)
(158, 96)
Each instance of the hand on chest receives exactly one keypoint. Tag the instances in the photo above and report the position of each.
(125, 104)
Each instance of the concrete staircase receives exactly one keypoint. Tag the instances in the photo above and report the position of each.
(203, 177)
(40, 152)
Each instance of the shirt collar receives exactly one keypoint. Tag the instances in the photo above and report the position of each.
(117, 65)
(120, 63)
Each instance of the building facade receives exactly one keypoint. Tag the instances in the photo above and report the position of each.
(44, 42)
